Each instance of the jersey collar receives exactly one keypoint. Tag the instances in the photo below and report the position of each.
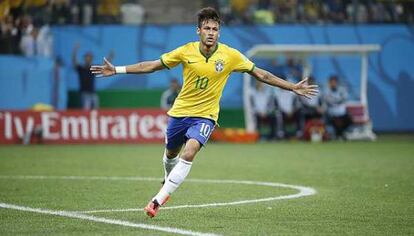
(207, 57)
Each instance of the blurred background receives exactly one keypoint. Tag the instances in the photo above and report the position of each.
(47, 47)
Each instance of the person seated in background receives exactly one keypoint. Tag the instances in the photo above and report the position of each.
(335, 99)
(262, 102)
(311, 108)
(288, 106)
(311, 116)
(168, 96)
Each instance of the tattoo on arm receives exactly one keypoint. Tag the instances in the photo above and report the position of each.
(266, 77)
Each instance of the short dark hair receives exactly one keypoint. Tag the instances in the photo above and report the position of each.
(333, 77)
(208, 13)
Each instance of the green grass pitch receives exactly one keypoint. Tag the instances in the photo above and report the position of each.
(363, 188)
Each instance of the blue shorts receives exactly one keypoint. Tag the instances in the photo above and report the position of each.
(180, 129)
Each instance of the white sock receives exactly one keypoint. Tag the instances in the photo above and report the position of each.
(169, 164)
(174, 179)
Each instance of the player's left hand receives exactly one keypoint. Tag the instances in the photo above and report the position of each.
(107, 69)
(304, 89)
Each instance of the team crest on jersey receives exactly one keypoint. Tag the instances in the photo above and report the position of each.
(219, 65)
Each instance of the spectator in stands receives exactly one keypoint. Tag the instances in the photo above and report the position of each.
(25, 24)
(60, 12)
(132, 13)
(224, 7)
(335, 11)
(109, 11)
(37, 42)
(168, 96)
(241, 12)
(357, 12)
(408, 12)
(89, 98)
(286, 11)
(391, 13)
(263, 13)
(376, 12)
(36, 9)
(263, 108)
(310, 11)
(9, 36)
(335, 99)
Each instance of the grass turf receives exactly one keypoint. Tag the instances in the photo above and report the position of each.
(363, 188)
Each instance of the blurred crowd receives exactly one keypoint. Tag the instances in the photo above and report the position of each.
(24, 28)
(315, 11)
(25, 23)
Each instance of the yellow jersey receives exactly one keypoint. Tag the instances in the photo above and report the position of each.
(204, 78)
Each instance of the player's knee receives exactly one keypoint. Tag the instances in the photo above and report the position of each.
(171, 154)
(188, 155)
(190, 150)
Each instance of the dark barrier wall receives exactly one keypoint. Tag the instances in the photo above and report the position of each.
(391, 71)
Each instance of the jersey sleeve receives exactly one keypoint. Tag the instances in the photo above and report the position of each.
(241, 63)
(173, 58)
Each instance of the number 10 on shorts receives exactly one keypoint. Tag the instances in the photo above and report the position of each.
(205, 130)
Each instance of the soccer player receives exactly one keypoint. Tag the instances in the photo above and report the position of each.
(207, 65)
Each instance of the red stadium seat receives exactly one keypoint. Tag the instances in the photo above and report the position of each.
(357, 114)
(361, 128)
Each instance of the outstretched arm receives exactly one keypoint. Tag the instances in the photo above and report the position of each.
(107, 69)
(301, 88)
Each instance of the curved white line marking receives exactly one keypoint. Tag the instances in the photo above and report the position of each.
(303, 191)
(104, 220)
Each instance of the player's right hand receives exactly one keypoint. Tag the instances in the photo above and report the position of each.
(107, 69)
(304, 89)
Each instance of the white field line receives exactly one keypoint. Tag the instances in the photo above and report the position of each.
(303, 191)
(104, 220)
